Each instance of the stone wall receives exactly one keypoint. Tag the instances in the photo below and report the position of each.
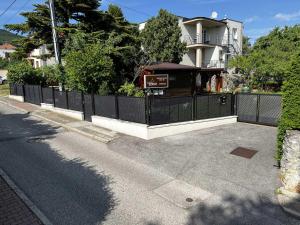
(290, 163)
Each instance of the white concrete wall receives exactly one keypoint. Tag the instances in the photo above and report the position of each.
(239, 26)
(150, 132)
(189, 58)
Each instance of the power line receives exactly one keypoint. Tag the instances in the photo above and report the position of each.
(18, 12)
(11, 4)
(132, 9)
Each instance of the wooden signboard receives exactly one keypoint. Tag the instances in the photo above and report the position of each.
(156, 81)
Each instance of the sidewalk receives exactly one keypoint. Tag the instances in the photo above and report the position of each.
(15, 210)
(82, 127)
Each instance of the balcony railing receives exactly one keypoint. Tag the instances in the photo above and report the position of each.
(208, 40)
(218, 64)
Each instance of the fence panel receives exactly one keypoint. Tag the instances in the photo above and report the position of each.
(88, 107)
(247, 107)
(33, 94)
(132, 109)
(269, 109)
(170, 109)
(106, 106)
(75, 101)
(47, 95)
(61, 99)
(259, 108)
(16, 89)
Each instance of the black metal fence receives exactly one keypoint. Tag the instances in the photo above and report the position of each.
(156, 110)
(259, 108)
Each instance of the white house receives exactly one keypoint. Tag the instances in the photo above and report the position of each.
(41, 57)
(6, 49)
(210, 42)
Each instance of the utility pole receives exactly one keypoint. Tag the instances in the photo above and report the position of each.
(54, 33)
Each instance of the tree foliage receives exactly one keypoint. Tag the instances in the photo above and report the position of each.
(269, 58)
(161, 38)
(94, 70)
(23, 73)
(290, 119)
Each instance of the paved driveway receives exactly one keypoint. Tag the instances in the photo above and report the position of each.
(245, 187)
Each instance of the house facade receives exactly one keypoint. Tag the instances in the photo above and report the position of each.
(41, 57)
(210, 42)
(6, 49)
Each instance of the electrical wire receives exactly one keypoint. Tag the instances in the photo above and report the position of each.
(17, 13)
(11, 4)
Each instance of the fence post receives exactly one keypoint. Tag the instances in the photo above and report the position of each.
(194, 107)
(117, 107)
(147, 109)
(67, 99)
(42, 96)
(257, 108)
(53, 96)
(24, 92)
(233, 104)
(82, 102)
(93, 103)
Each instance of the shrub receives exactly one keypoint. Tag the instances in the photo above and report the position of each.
(89, 69)
(290, 119)
(52, 75)
(3, 63)
(130, 89)
(23, 73)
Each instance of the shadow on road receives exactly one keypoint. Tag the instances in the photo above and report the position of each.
(66, 191)
(237, 211)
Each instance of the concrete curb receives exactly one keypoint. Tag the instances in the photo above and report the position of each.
(94, 137)
(15, 107)
(25, 199)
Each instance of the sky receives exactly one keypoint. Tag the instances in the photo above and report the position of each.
(259, 16)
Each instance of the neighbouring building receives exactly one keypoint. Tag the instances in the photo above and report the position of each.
(210, 43)
(41, 57)
(6, 49)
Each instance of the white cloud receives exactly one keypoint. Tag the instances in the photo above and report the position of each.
(251, 19)
(287, 16)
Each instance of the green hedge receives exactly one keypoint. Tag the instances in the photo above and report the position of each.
(290, 119)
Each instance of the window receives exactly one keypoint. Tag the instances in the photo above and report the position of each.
(235, 33)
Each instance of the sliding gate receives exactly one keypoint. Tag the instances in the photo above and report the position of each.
(259, 108)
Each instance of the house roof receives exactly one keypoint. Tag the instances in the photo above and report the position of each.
(170, 66)
(7, 46)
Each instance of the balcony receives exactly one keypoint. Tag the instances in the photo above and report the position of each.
(215, 64)
(208, 40)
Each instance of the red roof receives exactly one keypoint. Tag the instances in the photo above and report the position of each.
(7, 46)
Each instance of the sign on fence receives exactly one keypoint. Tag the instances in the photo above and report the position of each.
(156, 81)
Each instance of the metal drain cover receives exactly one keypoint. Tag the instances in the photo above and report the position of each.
(244, 152)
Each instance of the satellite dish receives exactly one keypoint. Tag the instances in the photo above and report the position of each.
(214, 15)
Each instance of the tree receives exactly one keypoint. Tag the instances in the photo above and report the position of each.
(290, 119)
(268, 60)
(70, 15)
(161, 38)
(246, 45)
(94, 71)
(23, 73)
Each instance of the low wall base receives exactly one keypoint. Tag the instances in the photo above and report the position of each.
(17, 98)
(150, 132)
(70, 113)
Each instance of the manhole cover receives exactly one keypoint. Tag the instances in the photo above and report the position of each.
(189, 200)
(244, 152)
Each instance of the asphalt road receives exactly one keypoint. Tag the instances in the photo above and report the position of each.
(75, 180)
